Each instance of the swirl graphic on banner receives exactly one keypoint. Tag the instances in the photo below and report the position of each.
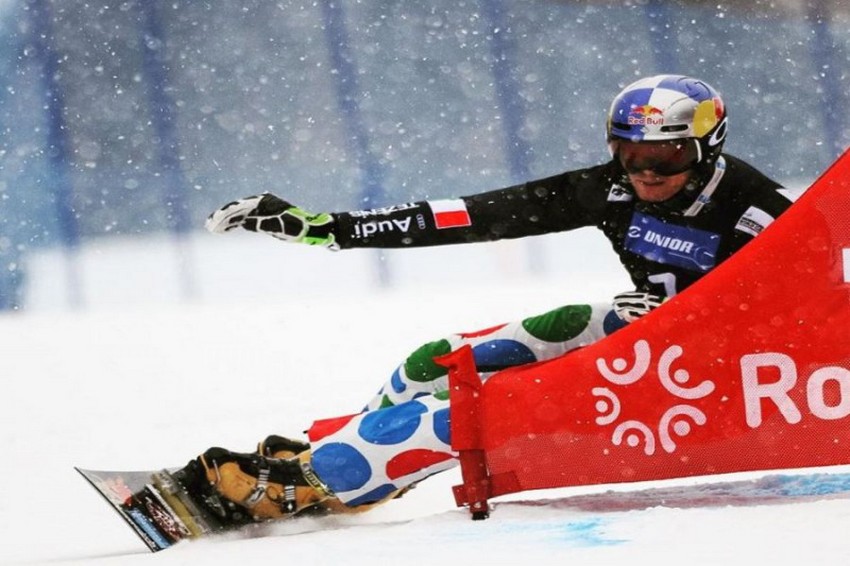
(680, 426)
(678, 420)
(680, 376)
(621, 377)
(622, 432)
(609, 403)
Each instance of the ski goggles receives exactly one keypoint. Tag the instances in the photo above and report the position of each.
(663, 158)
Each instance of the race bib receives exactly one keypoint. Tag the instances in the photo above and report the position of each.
(670, 244)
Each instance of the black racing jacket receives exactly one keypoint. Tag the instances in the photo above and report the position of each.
(663, 248)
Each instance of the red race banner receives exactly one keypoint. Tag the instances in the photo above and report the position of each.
(748, 369)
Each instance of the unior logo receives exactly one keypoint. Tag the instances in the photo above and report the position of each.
(661, 242)
(668, 242)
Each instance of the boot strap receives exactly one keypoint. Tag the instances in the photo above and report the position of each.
(289, 504)
(311, 478)
(287, 501)
(260, 490)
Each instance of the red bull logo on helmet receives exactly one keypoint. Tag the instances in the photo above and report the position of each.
(645, 115)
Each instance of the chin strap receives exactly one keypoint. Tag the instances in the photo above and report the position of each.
(705, 196)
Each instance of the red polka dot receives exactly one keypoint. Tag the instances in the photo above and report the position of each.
(327, 427)
(412, 461)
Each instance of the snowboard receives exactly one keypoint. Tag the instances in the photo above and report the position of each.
(162, 513)
(158, 509)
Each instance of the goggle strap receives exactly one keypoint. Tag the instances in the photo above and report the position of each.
(705, 196)
(699, 150)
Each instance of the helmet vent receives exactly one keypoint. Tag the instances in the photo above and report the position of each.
(674, 128)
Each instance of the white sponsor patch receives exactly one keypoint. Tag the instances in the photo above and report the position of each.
(754, 221)
(385, 211)
(846, 252)
(450, 213)
(619, 193)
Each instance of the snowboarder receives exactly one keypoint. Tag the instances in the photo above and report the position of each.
(673, 206)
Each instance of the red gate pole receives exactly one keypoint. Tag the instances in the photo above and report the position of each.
(465, 422)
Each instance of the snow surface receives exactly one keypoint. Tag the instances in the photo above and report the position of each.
(276, 337)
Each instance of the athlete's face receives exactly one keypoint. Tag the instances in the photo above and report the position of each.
(657, 170)
(652, 187)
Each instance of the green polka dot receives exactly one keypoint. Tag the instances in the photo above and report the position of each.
(420, 365)
(442, 395)
(559, 325)
(385, 402)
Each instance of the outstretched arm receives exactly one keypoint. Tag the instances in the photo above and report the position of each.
(547, 205)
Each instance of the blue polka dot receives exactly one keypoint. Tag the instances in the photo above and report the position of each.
(442, 426)
(392, 425)
(612, 323)
(375, 495)
(341, 466)
(398, 385)
(497, 354)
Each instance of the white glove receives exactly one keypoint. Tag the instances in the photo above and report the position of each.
(276, 217)
(632, 305)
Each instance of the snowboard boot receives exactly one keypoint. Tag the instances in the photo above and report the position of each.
(274, 446)
(192, 478)
(241, 488)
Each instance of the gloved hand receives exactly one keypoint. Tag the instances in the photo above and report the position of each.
(274, 216)
(632, 305)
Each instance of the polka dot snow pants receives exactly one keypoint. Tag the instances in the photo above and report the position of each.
(402, 436)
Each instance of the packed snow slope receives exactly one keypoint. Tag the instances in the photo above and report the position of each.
(276, 337)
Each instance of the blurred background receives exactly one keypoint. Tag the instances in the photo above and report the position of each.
(124, 123)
